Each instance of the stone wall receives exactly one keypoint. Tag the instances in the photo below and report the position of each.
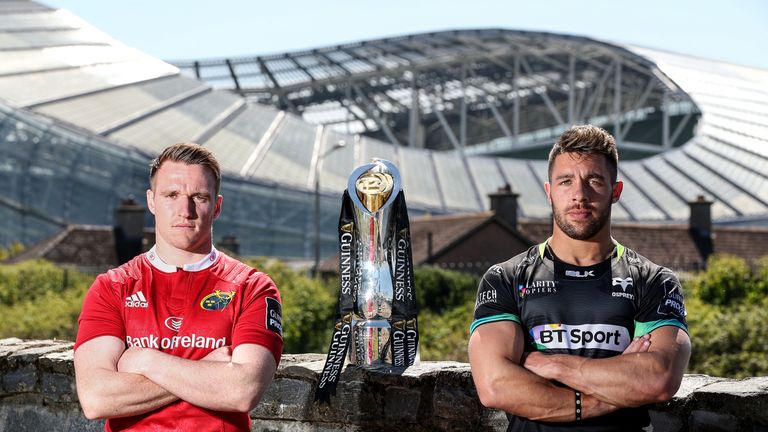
(37, 393)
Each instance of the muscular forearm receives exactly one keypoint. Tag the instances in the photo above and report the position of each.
(541, 400)
(222, 386)
(627, 381)
(104, 393)
(520, 392)
(637, 377)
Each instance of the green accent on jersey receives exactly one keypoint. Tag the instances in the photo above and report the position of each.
(642, 328)
(619, 250)
(500, 317)
(542, 248)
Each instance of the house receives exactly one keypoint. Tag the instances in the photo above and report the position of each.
(97, 248)
(473, 242)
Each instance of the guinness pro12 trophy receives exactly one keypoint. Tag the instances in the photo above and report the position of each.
(377, 304)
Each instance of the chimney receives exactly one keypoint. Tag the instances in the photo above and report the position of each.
(230, 244)
(700, 226)
(429, 247)
(129, 229)
(504, 204)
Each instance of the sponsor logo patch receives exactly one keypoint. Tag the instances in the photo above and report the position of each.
(624, 284)
(672, 303)
(538, 288)
(174, 323)
(136, 300)
(190, 341)
(217, 300)
(578, 274)
(487, 296)
(585, 336)
(274, 317)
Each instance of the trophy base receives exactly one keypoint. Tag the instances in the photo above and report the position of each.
(370, 347)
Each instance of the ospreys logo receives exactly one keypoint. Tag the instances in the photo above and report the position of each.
(217, 300)
(625, 284)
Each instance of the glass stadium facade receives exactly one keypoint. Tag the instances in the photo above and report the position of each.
(461, 113)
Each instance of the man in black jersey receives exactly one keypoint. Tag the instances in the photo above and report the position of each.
(579, 332)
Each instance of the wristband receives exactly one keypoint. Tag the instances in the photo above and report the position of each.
(578, 405)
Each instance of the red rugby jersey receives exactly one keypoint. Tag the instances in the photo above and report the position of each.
(186, 312)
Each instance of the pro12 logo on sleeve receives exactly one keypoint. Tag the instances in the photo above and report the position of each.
(274, 316)
(672, 303)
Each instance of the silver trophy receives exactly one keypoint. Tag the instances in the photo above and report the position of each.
(377, 310)
(373, 189)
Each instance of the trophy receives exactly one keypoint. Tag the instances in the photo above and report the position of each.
(377, 304)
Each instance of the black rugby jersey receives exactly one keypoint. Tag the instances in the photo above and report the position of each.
(592, 311)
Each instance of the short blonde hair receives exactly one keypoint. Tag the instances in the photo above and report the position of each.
(190, 154)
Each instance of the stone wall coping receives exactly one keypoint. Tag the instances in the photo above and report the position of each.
(37, 392)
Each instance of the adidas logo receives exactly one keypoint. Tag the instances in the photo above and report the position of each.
(136, 300)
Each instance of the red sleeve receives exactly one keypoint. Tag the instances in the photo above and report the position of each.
(101, 313)
(260, 321)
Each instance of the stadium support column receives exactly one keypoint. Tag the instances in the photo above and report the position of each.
(665, 141)
(617, 103)
(463, 112)
(413, 118)
(571, 87)
(372, 111)
(516, 105)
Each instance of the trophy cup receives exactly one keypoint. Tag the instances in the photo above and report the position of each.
(371, 191)
(377, 304)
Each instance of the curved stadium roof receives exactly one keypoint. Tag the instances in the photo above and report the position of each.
(461, 113)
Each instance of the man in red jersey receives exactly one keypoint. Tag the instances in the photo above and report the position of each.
(182, 337)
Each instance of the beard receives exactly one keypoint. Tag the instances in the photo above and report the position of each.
(581, 231)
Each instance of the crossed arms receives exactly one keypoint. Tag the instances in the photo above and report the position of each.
(649, 370)
(115, 382)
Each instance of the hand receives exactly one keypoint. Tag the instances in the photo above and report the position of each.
(639, 344)
(222, 354)
(132, 360)
(540, 364)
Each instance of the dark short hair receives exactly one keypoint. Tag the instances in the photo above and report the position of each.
(584, 140)
(190, 154)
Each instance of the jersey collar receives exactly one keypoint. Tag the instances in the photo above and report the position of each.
(161, 265)
(618, 251)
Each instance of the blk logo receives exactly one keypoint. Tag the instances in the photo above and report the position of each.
(578, 274)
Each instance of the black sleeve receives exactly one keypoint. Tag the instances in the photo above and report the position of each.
(661, 303)
(496, 298)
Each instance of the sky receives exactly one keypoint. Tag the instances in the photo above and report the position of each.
(735, 31)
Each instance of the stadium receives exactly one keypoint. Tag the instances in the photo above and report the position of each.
(461, 113)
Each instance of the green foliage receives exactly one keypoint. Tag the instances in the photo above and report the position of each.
(728, 341)
(13, 249)
(308, 307)
(727, 315)
(50, 315)
(727, 310)
(438, 290)
(444, 336)
(728, 279)
(40, 300)
(31, 279)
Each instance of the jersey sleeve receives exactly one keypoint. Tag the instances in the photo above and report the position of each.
(101, 314)
(496, 299)
(661, 304)
(260, 321)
